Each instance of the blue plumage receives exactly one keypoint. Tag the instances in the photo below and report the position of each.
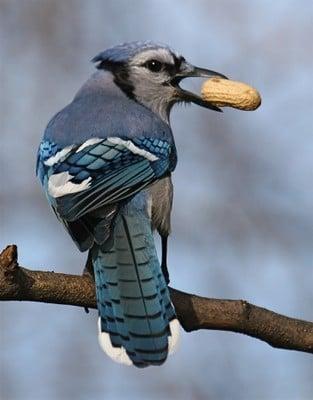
(132, 296)
(131, 290)
(124, 52)
(105, 163)
(101, 109)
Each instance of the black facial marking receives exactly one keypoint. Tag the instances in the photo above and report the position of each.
(178, 61)
(173, 69)
(121, 75)
(170, 69)
(156, 66)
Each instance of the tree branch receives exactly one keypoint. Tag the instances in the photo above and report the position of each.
(194, 312)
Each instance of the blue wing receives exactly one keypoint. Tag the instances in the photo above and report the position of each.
(81, 179)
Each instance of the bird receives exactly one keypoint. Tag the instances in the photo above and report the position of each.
(105, 163)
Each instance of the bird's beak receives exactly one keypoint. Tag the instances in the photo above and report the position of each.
(188, 71)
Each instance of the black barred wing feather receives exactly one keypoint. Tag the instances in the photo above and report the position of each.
(101, 172)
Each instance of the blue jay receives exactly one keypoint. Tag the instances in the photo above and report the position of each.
(105, 163)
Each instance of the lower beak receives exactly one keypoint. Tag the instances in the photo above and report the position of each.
(189, 71)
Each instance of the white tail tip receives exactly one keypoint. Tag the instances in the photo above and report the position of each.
(173, 340)
(117, 354)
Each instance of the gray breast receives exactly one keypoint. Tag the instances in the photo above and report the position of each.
(161, 195)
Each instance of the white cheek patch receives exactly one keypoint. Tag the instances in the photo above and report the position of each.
(133, 148)
(89, 142)
(60, 184)
(58, 156)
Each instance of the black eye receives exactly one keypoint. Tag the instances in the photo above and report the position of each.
(154, 65)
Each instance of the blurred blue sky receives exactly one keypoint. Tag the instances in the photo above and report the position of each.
(243, 220)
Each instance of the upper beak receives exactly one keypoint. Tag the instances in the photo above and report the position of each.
(187, 71)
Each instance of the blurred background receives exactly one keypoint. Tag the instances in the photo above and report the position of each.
(243, 217)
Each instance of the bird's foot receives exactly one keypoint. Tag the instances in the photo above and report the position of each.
(165, 273)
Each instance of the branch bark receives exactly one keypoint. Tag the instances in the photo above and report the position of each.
(194, 312)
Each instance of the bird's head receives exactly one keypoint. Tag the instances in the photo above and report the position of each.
(150, 73)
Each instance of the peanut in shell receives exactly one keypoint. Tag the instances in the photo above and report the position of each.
(227, 93)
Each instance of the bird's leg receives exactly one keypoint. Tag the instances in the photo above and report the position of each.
(88, 270)
(164, 259)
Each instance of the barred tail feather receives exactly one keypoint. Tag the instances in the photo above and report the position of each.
(137, 321)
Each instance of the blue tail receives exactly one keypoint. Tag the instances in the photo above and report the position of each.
(137, 321)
